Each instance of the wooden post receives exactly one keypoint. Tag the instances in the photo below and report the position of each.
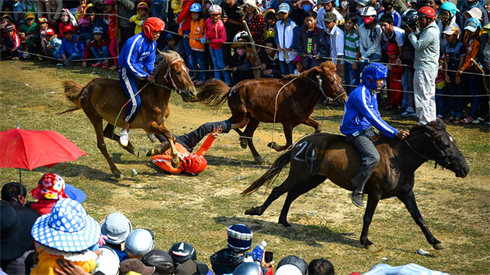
(256, 72)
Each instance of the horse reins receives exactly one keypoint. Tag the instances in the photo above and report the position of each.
(442, 155)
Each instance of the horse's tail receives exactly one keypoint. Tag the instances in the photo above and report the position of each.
(274, 171)
(213, 93)
(73, 92)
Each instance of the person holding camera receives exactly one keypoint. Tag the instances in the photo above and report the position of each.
(426, 63)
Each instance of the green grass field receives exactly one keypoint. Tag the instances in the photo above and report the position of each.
(198, 209)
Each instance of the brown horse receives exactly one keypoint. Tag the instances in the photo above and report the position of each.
(289, 101)
(103, 99)
(324, 156)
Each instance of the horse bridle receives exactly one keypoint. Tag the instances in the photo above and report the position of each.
(442, 159)
(169, 78)
(319, 84)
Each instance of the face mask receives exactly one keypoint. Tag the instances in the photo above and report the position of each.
(241, 52)
(344, 5)
(306, 7)
(64, 19)
(367, 20)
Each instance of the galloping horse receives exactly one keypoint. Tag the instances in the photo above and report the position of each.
(289, 101)
(102, 99)
(325, 156)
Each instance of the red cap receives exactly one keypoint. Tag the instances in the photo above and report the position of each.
(49, 32)
(68, 28)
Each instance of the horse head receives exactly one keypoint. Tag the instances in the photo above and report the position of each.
(331, 82)
(443, 148)
(177, 76)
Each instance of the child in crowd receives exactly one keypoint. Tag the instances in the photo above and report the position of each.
(53, 45)
(195, 36)
(29, 33)
(336, 37)
(312, 46)
(239, 63)
(216, 36)
(117, 229)
(391, 33)
(49, 190)
(299, 68)
(270, 23)
(85, 23)
(370, 35)
(99, 48)
(173, 44)
(66, 20)
(71, 47)
(11, 44)
(43, 27)
(239, 242)
(351, 52)
(65, 233)
(471, 81)
(270, 61)
(395, 73)
(140, 17)
(111, 23)
(286, 33)
(455, 52)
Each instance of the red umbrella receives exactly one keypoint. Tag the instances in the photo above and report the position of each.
(30, 149)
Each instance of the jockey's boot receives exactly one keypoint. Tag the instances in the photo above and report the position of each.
(124, 138)
(358, 183)
(357, 197)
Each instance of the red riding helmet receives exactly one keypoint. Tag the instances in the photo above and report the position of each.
(427, 12)
(194, 164)
(153, 24)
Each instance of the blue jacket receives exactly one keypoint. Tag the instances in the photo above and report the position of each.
(68, 48)
(138, 54)
(361, 112)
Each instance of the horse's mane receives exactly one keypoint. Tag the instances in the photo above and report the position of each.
(327, 65)
(170, 56)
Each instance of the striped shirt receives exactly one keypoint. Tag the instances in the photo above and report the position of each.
(351, 45)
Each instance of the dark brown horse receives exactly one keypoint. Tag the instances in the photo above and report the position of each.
(324, 156)
(289, 101)
(102, 99)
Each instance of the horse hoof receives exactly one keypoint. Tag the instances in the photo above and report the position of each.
(175, 162)
(116, 174)
(373, 249)
(243, 143)
(439, 246)
(252, 211)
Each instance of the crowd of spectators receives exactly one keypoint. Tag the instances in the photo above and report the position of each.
(233, 40)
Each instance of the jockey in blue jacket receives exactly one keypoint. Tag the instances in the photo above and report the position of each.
(361, 113)
(136, 61)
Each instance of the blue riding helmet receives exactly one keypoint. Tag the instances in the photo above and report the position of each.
(196, 7)
(373, 72)
(248, 268)
(450, 7)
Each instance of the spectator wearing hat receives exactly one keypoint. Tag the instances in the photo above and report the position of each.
(240, 65)
(471, 82)
(312, 45)
(71, 47)
(327, 6)
(227, 260)
(29, 32)
(233, 22)
(173, 44)
(254, 19)
(196, 34)
(111, 20)
(43, 24)
(184, 257)
(469, 5)
(16, 244)
(11, 44)
(53, 45)
(286, 33)
(395, 73)
(135, 265)
(98, 48)
(139, 242)
(336, 40)
(292, 265)
(65, 233)
(49, 190)
(269, 60)
(370, 34)
(161, 260)
(321, 267)
(117, 229)
(215, 37)
(66, 19)
(143, 12)
(454, 54)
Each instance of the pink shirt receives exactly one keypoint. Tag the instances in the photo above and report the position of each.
(216, 33)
